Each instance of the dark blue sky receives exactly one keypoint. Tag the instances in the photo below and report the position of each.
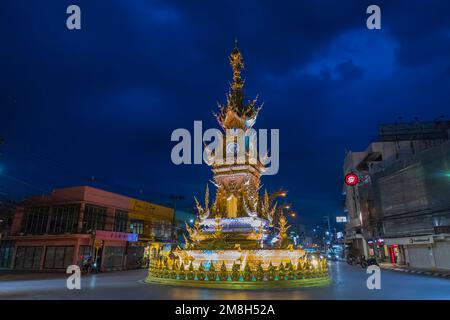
(104, 100)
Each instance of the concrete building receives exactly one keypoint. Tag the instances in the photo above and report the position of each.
(7, 210)
(53, 231)
(400, 209)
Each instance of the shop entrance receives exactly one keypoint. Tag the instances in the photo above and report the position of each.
(395, 253)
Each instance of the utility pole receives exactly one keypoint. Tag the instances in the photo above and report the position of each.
(327, 218)
(175, 198)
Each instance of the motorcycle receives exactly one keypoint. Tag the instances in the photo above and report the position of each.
(367, 262)
(351, 259)
(361, 260)
(372, 262)
(88, 265)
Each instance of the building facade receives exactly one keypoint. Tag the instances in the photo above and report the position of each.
(7, 210)
(400, 209)
(53, 231)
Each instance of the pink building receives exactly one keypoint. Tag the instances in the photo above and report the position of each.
(54, 231)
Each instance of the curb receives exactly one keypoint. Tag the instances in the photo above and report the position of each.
(243, 285)
(417, 271)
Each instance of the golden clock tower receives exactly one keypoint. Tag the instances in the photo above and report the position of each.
(236, 214)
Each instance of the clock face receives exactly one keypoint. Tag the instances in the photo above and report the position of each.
(232, 147)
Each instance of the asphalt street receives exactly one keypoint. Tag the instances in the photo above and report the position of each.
(349, 282)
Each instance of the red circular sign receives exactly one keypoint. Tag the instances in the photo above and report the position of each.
(351, 179)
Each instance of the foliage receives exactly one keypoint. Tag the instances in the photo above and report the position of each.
(247, 272)
(212, 272)
(223, 275)
(235, 272)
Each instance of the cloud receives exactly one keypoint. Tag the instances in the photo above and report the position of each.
(139, 69)
(348, 71)
(152, 12)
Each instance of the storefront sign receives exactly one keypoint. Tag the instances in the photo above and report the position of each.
(420, 240)
(351, 179)
(113, 235)
(342, 219)
(410, 240)
(442, 229)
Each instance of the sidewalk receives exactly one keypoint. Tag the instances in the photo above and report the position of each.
(12, 275)
(433, 273)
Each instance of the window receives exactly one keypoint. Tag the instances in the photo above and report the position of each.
(137, 226)
(113, 258)
(6, 252)
(85, 251)
(58, 257)
(35, 220)
(120, 221)
(161, 230)
(64, 219)
(94, 218)
(28, 257)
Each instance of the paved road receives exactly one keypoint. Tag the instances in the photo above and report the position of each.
(349, 282)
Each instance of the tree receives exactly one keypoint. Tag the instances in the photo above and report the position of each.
(235, 272)
(223, 276)
(212, 272)
(247, 272)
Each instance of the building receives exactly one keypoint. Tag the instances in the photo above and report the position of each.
(400, 209)
(53, 231)
(7, 209)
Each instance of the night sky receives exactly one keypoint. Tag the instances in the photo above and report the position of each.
(97, 106)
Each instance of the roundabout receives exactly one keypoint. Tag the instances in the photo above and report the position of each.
(239, 239)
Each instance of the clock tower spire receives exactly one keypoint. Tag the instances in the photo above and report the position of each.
(236, 114)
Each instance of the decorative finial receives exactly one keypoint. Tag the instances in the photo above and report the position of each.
(237, 64)
(246, 112)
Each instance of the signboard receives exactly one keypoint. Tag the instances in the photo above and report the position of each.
(141, 206)
(351, 179)
(113, 235)
(98, 243)
(342, 219)
(410, 241)
(442, 229)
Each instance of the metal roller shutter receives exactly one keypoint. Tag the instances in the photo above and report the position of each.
(442, 255)
(419, 257)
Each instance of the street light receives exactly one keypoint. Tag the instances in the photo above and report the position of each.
(276, 194)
